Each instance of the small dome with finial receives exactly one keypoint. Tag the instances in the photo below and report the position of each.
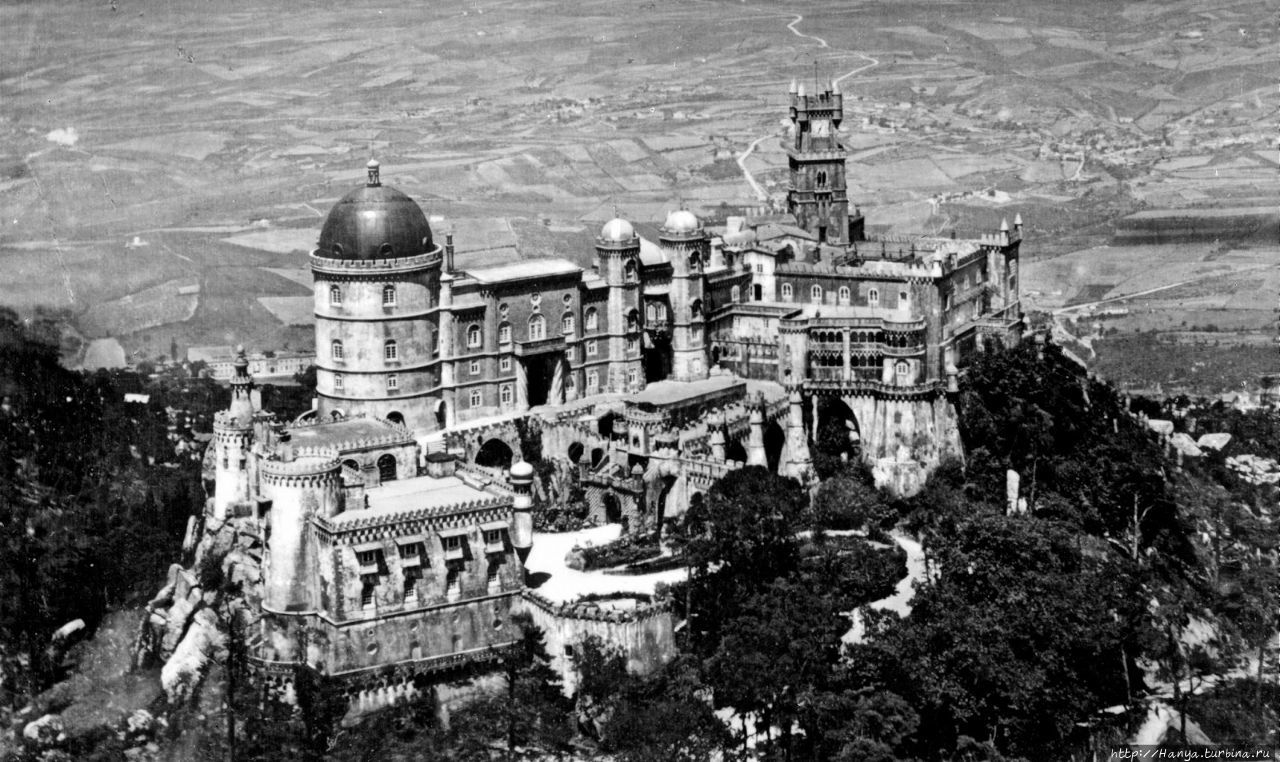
(681, 221)
(521, 470)
(617, 230)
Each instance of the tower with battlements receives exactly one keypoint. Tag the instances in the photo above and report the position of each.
(817, 193)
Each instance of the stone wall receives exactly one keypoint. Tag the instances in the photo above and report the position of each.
(645, 634)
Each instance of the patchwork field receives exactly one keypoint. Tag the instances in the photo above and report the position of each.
(147, 144)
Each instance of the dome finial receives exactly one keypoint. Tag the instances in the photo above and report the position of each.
(374, 179)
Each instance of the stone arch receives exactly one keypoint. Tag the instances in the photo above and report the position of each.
(574, 451)
(775, 441)
(597, 457)
(441, 413)
(605, 424)
(495, 453)
(834, 417)
(352, 464)
(396, 417)
(387, 467)
(735, 451)
(612, 508)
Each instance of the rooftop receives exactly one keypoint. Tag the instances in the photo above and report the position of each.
(671, 392)
(531, 268)
(345, 434)
(417, 493)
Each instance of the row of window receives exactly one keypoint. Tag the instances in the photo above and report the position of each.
(412, 559)
(388, 296)
(816, 294)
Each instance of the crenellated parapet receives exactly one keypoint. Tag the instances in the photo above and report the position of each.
(375, 267)
(592, 611)
(362, 526)
(303, 471)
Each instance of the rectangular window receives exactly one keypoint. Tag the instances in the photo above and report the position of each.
(477, 399)
(410, 585)
(506, 394)
(494, 580)
(632, 344)
(393, 382)
(591, 349)
(453, 585)
(338, 383)
(368, 588)
(593, 382)
(493, 541)
(453, 550)
(759, 268)
(504, 364)
(475, 367)
(411, 554)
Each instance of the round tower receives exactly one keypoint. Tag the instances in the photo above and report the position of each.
(377, 281)
(232, 440)
(299, 487)
(618, 254)
(689, 248)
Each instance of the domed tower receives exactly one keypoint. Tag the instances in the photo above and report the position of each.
(618, 263)
(232, 440)
(377, 284)
(689, 248)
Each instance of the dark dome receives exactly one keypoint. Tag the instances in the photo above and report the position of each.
(374, 222)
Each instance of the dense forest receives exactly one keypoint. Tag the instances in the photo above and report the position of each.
(1044, 629)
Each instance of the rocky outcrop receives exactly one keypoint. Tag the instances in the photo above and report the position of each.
(185, 668)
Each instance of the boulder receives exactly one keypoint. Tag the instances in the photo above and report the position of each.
(176, 626)
(1213, 441)
(183, 671)
(575, 559)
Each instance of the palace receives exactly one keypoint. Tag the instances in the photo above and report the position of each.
(396, 516)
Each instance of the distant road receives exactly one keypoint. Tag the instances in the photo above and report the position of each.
(792, 26)
(742, 163)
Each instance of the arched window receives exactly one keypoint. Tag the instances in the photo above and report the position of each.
(593, 381)
(822, 179)
(537, 328)
(786, 291)
(592, 319)
(504, 333)
(651, 312)
(903, 369)
(629, 271)
(335, 296)
(633, 321)
(387, 468)
(338, 382)
(474, 336)
(506, 394)
(336, 349)
(695, 261)
(388, 295)
(873, 296)
(815, 294)
(396, 417)
(695, 309)
(393, 382)
(477, 399)
(390, 352)
(844, 294)
(433, 341)
(567, 324)
(735, 294)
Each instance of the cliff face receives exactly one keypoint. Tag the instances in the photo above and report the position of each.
(905, 440)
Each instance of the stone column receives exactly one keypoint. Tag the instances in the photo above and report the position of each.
(556, 395)
(848, 365)
(522, 386)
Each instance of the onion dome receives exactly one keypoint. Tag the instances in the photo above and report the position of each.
(681, 221)
(375, 222)
(521, 470)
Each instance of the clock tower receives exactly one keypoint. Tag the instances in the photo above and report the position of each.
(817, 194)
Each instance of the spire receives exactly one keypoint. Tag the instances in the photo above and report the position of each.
(1017, 220)
(800, 91)
(1004, 225)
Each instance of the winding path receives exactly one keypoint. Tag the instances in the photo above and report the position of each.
(903, 592)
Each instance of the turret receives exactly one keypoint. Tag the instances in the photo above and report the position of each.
(232, 439)
(756, 455)
(299, 488)
(522, 522)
